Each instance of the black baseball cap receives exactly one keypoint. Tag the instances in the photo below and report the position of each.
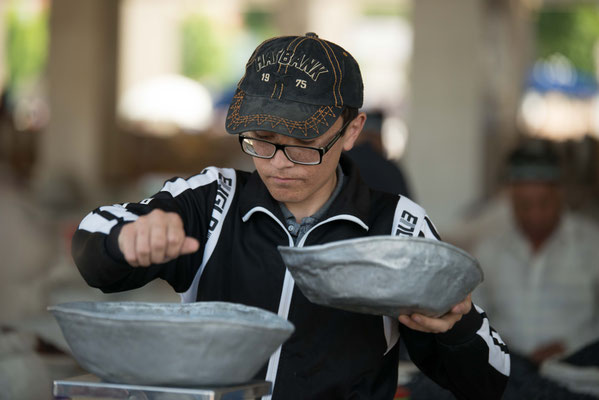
(534, 160)
(296, 86)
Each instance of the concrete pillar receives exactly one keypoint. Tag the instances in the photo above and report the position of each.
(444, 150)
(75, 147)
(509, 39)
(150, 41)
(292, 17)
(298, 17)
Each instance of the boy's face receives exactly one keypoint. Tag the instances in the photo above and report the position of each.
(305, 188)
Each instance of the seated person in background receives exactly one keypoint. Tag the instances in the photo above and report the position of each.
(369, 154)
(541, 284)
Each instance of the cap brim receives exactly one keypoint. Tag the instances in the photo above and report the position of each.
(299, 120)
(534, 173)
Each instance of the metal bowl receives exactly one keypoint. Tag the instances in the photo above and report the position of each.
(171, 344)
(384, 275)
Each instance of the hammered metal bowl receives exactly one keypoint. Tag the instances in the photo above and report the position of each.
(384, 275)
(171, 344)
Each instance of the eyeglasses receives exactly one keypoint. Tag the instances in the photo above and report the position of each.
(304, 155)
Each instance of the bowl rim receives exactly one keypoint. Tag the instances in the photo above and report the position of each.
(274, 321)
(378, 238)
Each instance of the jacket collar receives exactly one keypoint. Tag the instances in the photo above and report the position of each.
(353, 200)
(255, 195)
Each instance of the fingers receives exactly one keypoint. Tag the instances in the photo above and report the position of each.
(175, 237)
(190, 245)
(423, 323)
(127, 243)
(411, 321)
(440, 324)
(464, 306)
(142, 245)
(158, 244)
(155, 238)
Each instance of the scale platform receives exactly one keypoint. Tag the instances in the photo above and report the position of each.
(91, 387)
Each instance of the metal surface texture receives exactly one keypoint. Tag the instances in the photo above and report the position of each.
(89, 386)
(384, 275)
(171, 344)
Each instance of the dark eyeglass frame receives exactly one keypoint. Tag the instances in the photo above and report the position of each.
(321, 150)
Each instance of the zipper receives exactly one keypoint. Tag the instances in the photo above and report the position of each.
(288, 282)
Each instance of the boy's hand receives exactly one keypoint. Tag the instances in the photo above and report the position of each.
(155, 238)
(440, 324)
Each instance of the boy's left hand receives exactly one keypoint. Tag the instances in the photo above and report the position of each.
(419, 322)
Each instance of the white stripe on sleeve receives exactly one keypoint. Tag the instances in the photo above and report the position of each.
(96, 223)
(120, 211)
(226, 190)
(497, 357)
(209, 175)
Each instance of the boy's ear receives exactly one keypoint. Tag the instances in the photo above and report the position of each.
(353, 131)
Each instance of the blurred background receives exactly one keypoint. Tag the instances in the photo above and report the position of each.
(104, 100)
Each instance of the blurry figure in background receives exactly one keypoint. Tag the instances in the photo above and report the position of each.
(542, 267)
(6, 125)
(23, 373)
(369, 154)
(26, 247)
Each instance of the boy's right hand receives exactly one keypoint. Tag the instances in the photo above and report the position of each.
(155, 238)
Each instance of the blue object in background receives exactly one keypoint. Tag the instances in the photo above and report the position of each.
(559, 75)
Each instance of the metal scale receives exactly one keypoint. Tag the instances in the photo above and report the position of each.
(90, 386)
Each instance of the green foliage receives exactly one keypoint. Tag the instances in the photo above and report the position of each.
(387, 9)
(571, 31)
(203, 48)
(211, 49)
(26, 45)
(259, 22)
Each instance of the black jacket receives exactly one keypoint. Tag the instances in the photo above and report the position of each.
(332, 354)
